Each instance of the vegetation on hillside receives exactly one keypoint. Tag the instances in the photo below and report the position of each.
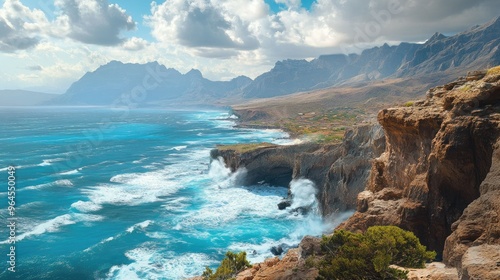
(493, 71)
(229, 267)
(370, 255)
(246, 147)
(323, 126)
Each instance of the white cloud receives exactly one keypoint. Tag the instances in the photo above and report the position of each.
(93, 21)
(202, 24)
(222, 38)
(19, 26)
(90, 21)
(135, 44)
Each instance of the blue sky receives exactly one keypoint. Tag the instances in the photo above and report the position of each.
(45, 45)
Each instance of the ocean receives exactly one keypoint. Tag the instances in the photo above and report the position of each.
(133, 194)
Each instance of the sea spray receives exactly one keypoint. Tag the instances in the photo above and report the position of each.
(304, 195)
(222, 175)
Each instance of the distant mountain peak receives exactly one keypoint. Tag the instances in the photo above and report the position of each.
(436, 37)
(195, 73)
(472, 49)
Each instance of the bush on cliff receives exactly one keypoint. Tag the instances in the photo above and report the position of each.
(230, 266)
(369, 255)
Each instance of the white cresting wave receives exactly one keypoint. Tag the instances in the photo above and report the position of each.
(151, 264)
(58, 183)
(55, 224)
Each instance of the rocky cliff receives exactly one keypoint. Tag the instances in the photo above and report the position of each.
(339, 171)
(439, 177)
(441, 158)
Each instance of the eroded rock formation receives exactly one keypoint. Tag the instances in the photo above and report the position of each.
(339, 171)
(441, 158)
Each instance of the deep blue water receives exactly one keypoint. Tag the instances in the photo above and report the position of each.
(105, 194)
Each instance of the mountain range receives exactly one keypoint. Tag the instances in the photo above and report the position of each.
(24, 97)
(155, 85)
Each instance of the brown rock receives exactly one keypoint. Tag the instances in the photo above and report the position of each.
(271, 261)
(437, 155)
(480, 221)
(289, 268)
(247, 274)
(309, 246)
(433, 271)
(481, 262)
(475, 75)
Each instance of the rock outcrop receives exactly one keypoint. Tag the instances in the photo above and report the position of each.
(441, 158)
(339, 171)
(291, 267)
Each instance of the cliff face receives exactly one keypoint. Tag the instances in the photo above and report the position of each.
(339, 171)
(474, 245)
(440, 159)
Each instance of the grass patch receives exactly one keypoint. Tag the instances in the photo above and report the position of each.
(409, 104)
(493, 71)
(243, 148)
(465, 88)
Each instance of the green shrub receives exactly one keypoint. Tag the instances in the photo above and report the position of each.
(369, 255)
(229, 267)
(409, 104)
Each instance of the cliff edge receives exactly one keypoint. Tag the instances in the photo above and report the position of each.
(442, 157)
(339, 171)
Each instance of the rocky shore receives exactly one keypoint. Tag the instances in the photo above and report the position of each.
(339, 171)
(433, 167)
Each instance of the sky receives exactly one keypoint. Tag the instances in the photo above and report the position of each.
(45, 45)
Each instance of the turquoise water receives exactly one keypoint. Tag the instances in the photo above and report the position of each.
(104, 194)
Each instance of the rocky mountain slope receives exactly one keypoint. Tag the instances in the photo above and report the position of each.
(476, 48)
(124, 84)
(152, 84)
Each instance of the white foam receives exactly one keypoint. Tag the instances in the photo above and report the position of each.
(58, 183)
(55, 224)
(86, 206)
(48, 226)
(136, 188)
(139, 160)
(228, 205)
(175, 204)
(178, 148)
(150, 264)
(232, 201)
(46, 162)
(70, 172)
(100, 243)
(141, 225)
